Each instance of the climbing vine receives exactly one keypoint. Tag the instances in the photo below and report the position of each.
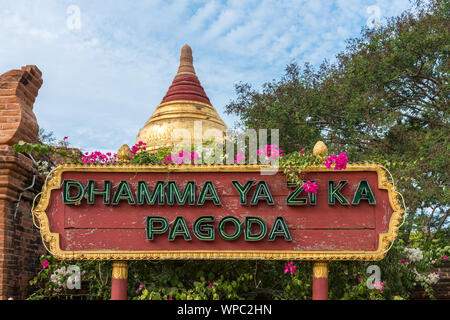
(402, 268)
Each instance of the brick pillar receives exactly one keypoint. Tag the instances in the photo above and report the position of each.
(20, 243)
(320, 280)
(119, 280)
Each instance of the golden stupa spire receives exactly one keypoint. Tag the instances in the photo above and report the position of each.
(184, 103)
(186, 62)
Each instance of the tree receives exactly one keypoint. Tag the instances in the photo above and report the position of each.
(385, 99)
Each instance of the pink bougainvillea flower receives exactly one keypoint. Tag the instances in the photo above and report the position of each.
(65, 138)
(140, 146)
(330, 161)
(403, 261)
(211, 284)
(359, 279)
(290, 267)
(168, 160)
(194, 156)
(378, 285)
(444, 257)
(182, 157)
(240, 157)
(340, 161)
(270, 152)
(302, 151)
(141, 286)
(98, 157)
(45, 264)
(310, 187)
(170, 298)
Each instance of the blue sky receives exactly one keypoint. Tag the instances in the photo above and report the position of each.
(105, 72)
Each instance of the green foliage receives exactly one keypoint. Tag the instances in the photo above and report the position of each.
(294, 163)
(144, 157)
(35, 147)
(218, 280)
(50, 282)
(246, 280)
(45, 149)
(385, 99)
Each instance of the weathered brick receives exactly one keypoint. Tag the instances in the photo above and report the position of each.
(20, 244)
(18, 91)
(5, 113)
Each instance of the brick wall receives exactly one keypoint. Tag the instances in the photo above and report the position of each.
(441, 289)
(20, 242)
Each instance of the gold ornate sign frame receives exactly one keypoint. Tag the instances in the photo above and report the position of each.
(385, 239)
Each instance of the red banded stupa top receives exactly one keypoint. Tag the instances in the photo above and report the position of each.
(184, 106)
(185, 85)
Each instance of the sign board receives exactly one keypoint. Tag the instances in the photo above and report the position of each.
(125, 212)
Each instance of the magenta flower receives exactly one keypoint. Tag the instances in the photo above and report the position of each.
(269, 152)
(340, 161)
(211, 284)
(140, 146)
(444, 257)
(378, 285)
(302, 151)
(98, 157)
(65, 138)
(310, 187)
(170, 298)
(240, 157)
(182, 157)
(141, 286)
(168, 160)
(45, 264)
(404, 261)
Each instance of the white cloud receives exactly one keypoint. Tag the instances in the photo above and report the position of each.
(202, 16)
(103, 81)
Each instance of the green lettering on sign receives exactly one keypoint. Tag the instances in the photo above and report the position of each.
(293, 200)
(280, 229)
(208, 193)
(179, 228)
(143, 194)
(334, 192)
(173, 193)
(91, 192)
(203, 229)
(243, 190)
(152, 229)
(237, 230)
(262, 192)
(67, 184)
(123, 192)
(248, 235)
(363, 192)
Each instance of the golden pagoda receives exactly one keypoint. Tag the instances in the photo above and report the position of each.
(184, 103)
